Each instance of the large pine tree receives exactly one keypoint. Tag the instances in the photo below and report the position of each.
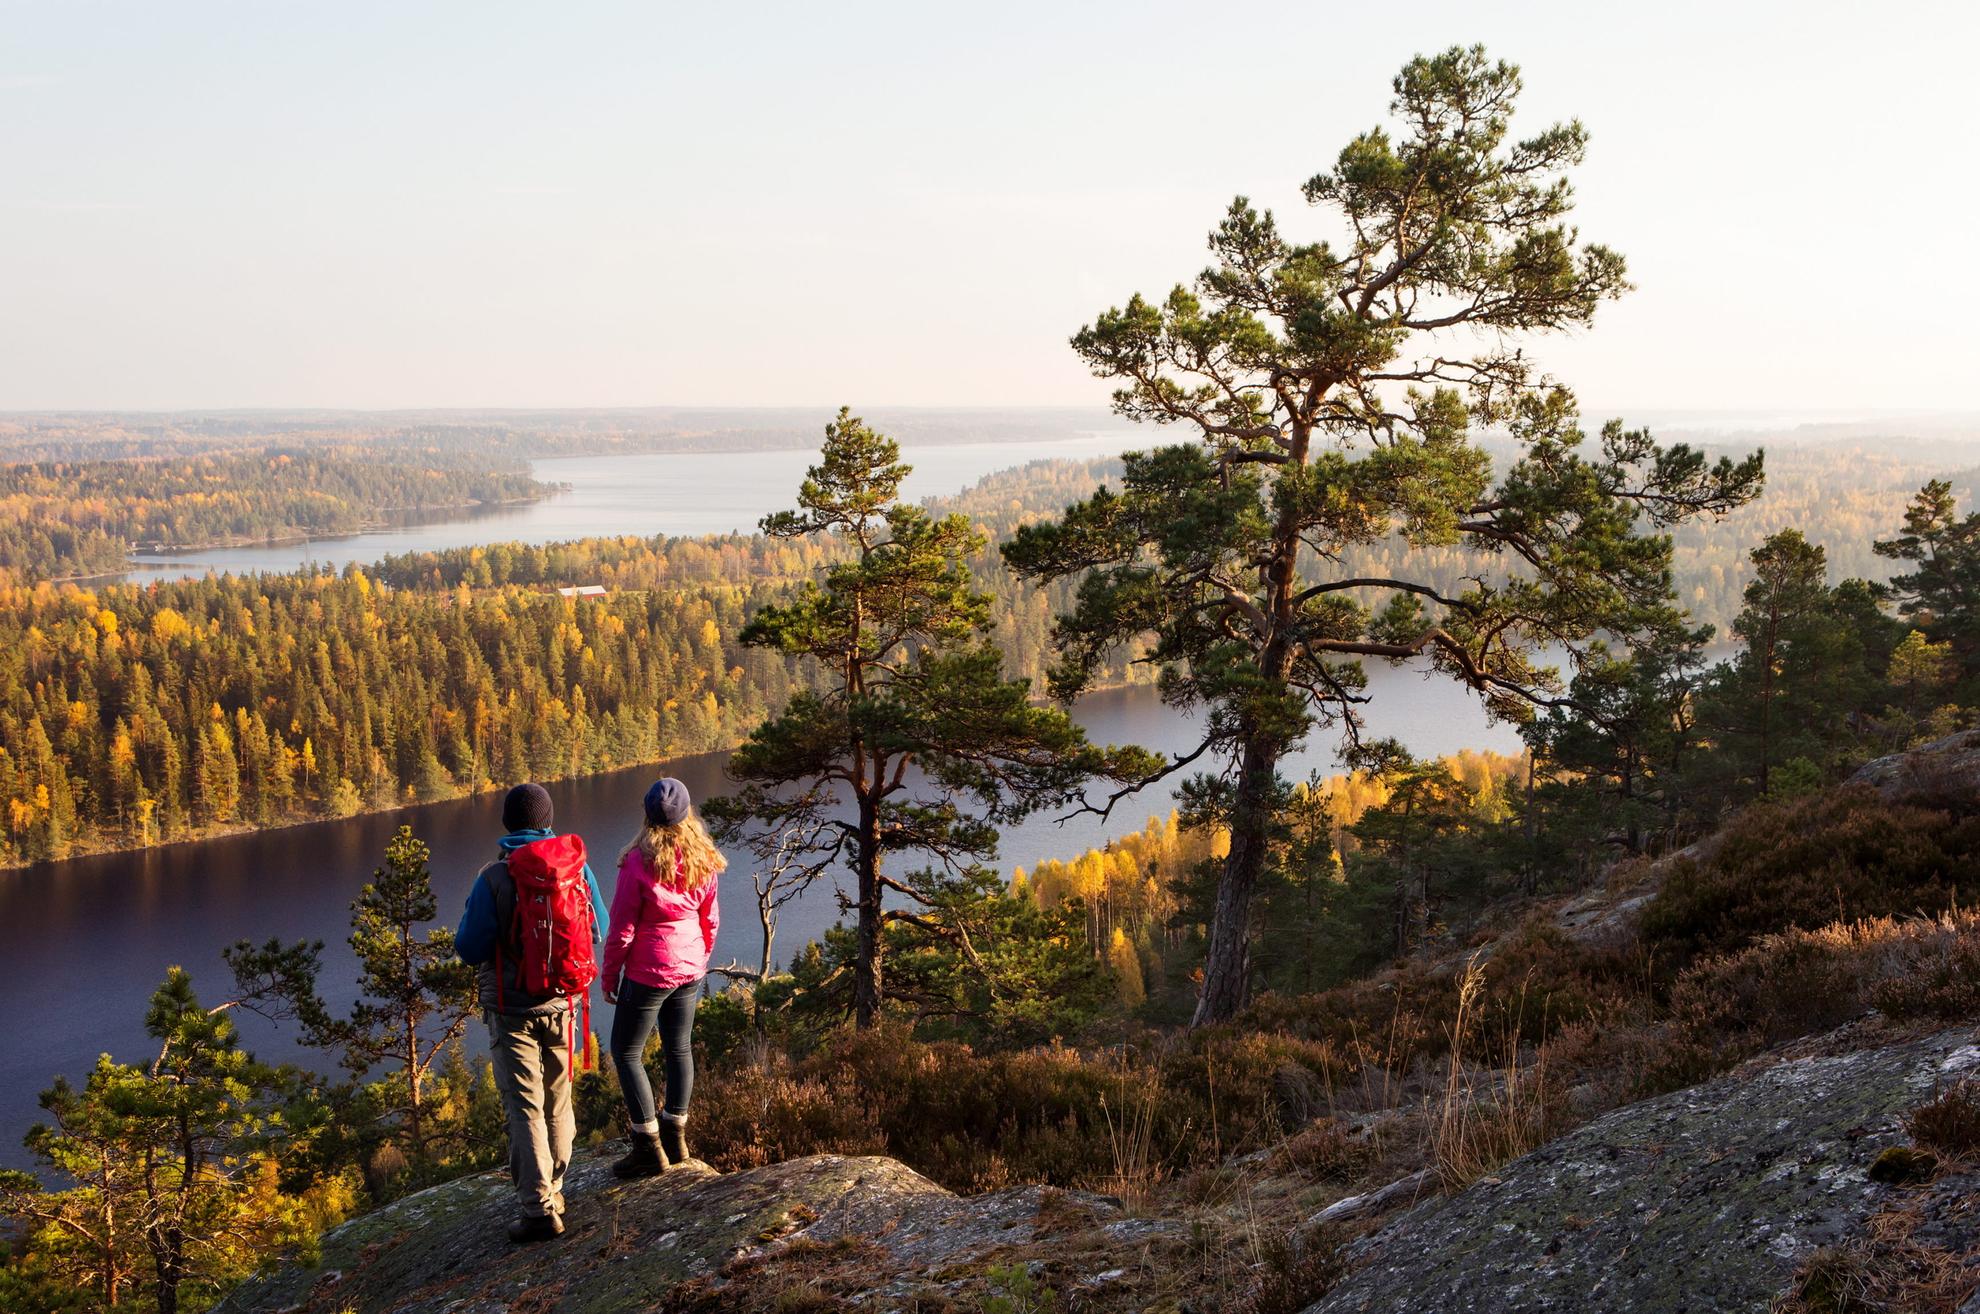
(1337, 391)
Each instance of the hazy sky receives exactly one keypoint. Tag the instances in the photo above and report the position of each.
(346, 204)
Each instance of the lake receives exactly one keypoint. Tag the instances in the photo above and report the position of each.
(85, 941)
(682, 493)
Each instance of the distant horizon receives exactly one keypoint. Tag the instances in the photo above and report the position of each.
(608, 408)
(1593, 413)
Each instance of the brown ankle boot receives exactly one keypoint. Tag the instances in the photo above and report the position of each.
(535, 1227)
(673, 1139)
(643, 1160)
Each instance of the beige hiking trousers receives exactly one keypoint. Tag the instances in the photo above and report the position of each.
(532, 1060)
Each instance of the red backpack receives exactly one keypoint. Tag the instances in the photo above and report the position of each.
(553, 926)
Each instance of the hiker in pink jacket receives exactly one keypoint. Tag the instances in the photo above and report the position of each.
(664, 917)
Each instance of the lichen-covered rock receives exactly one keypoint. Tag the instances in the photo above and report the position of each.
(1951, 762)
(626, 1244)
(1699, 1202)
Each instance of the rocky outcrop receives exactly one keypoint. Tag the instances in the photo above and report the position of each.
(1699, 1202)
(1704, 1200)
(1951, 763)
(627, 1245)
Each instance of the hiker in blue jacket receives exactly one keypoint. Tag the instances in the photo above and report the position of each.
(527, 820)
(530, 1037)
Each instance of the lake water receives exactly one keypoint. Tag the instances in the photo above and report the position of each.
(83, 942)
(681, 493)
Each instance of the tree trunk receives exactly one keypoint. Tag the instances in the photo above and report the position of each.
(165, 1248)
(413, 1086)
(1227, 965)
(867, 968)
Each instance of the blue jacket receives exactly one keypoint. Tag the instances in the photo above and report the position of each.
(475, 940)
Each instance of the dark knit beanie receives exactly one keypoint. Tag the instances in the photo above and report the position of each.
(527, 807)
(667, 802)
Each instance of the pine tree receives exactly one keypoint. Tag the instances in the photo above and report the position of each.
(416, 997)
(915, 742)
(1335, 391)
(167, 1160)
(1940, 594)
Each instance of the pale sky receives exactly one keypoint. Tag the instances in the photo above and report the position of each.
(378, 205)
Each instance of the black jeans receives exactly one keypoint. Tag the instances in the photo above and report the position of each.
(640, 1008)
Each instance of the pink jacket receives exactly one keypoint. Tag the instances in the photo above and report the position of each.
(660, 936)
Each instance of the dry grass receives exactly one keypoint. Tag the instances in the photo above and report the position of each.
(1485, 1118)
(1296, 1271)
(1130, 1113)
(1885, 1271)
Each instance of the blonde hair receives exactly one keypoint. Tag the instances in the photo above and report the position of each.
(686, 848)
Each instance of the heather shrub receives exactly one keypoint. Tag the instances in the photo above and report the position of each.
(1786, 986)
(1321, 1153)
(747, 1115)
(1536, 982)
(1839, 856)
(970, 1121)
(1936, 973)
(1800, 982)
(1950, 1121)
(1252, 1087)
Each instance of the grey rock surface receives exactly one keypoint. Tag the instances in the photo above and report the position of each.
(1699, 1202)
(626, 1244)
(1952, 761)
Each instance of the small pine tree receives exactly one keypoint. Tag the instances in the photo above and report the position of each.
(169, 1161)
(915, 726)
(416, 996)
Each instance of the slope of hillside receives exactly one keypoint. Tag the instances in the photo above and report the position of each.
(1786, 1117)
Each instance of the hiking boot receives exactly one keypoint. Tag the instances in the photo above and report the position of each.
(643, 1160)
(673, 1139)
(535, 1227)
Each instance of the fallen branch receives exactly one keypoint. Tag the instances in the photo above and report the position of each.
(1371, 1202)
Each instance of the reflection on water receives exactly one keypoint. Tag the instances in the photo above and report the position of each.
(82, 943)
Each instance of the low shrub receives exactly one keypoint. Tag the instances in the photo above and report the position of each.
(1886, 1268)
(971, 1121)
(1321, 1153)
(1801, 982)
(1950, 1121)
(1844, 855)
(1294, 1273)
(1938, 975)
